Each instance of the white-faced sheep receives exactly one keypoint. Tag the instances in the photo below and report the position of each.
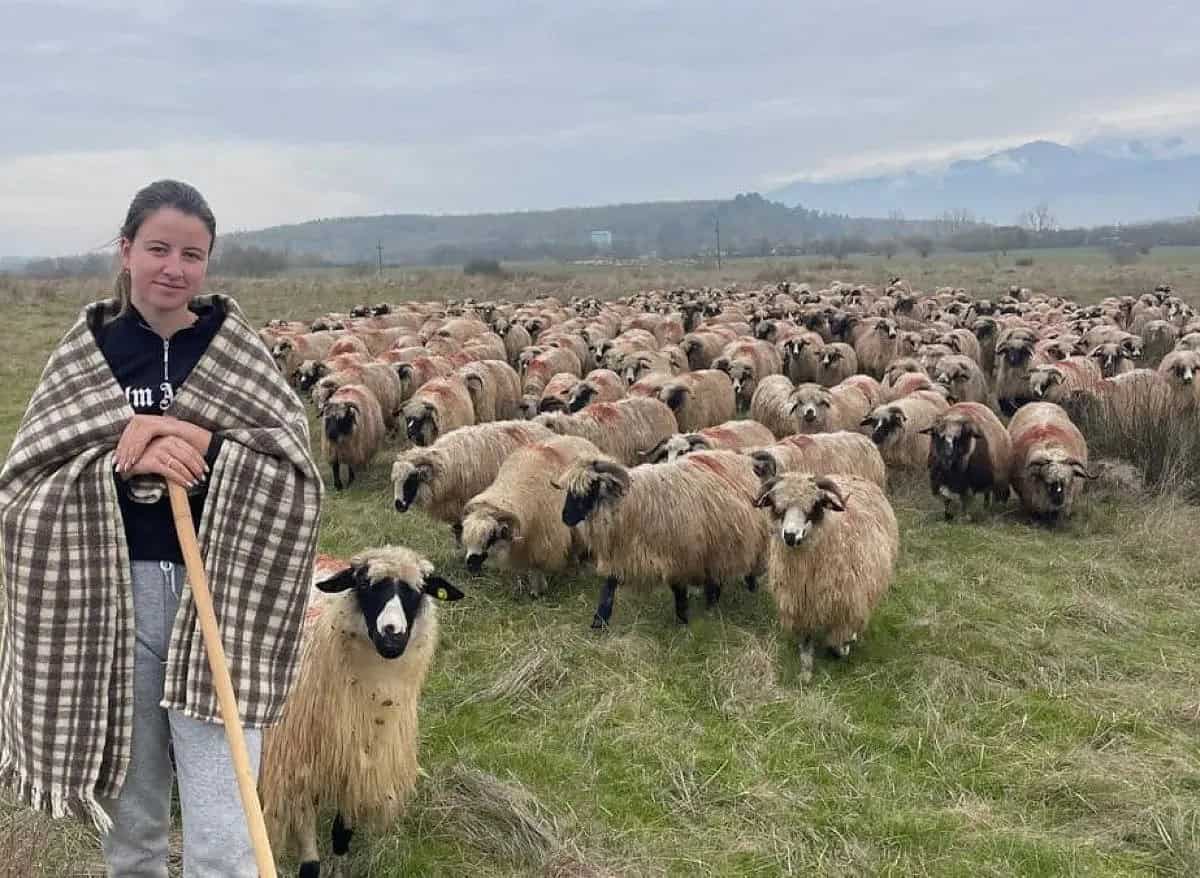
(1049, 455)
(599, 385)
(963, 379)
(877, 346)
(437, 408)
(832, 558)
(700, 399)
(442, 478)
(625, 429)
(842, 452)
(352, 430)
(516, 523)
(1114, 359)
(349, 733)
(898, 428)
(820, 409)
(682, 523)
(730, 436)
(771, 405)
(1181, 372)
(970, 453)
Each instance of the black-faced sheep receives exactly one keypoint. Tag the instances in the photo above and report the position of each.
(970, 453)
(599, 385)
(700, 399)
(832, 557)
(897, 428)
(688, 522)
(442, 478)
(352, 430)
(963, 379)
(348, 736)
(438, 407)
(838, 362)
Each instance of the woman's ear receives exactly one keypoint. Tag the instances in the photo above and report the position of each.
(123, 247)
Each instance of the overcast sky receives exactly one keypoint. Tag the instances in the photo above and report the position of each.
(290, 110)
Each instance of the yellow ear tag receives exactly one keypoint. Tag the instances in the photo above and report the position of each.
(442, 594)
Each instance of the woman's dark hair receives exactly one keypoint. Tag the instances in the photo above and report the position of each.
(160, 194)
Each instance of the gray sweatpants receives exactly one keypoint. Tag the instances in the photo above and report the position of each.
(216, 843)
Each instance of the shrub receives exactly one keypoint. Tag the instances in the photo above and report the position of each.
(485, 267)
(1158, 438)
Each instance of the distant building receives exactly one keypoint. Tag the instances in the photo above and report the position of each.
(602, 239)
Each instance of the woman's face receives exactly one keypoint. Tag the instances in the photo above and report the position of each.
(167, 260)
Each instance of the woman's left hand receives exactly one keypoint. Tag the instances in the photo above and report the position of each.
(135, 437)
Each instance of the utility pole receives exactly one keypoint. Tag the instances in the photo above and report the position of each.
(718, 215)
(379, 247)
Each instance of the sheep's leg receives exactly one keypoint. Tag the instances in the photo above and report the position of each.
(752, 582)
(340, 836)
(350, 478)
(681, 603)
(337, 477)
(712, 593)
(310, 858)
(604, 608)
(806, 658)
(456, 529)
(537, 583)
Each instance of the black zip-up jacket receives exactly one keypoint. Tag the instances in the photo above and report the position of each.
(151, 369)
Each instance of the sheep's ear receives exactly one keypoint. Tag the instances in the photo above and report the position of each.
(763, 500)
(1096, 352)
(696, 441)
(343, 580)
(436, 587)
(404, 371)
(901, 416)
(866, 422)
(1080, 470)
(764, 465)
(928, 431)
(474, 385)
(613, 475)
(832, 496)
(653, 452)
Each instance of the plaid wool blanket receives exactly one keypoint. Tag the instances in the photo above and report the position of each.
(66, 659)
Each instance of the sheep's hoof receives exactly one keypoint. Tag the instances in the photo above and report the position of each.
(310, 869)
(840, 651)
(751, 583)
(599, 622)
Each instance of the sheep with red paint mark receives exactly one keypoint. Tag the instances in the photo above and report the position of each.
(823, 453)
(625, 429)
(730, 436)
(438, 407)
(1049, 457)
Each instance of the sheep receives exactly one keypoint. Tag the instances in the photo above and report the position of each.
(438, 407)
(517, 522)
(348, 735)
(442, 478)
(1015, 359)
(419, 371)
(963, 379)
(1048, 455)
(640, 364)
(516, 339)
(867, 386)
(352, 430)
(703, 346)
(827, 410)
(771, 405)
(969, 452)
(747, 362)
(624, 429)
(1158, 340)
(556, 395)
(700, 399)
(896, 372)
(877, 346)
(494, 388)
(1060, 382)
(822, 453)
(730, 436)
(379, 378)
(290, 351)
(831, 559)
(1114, 359)
(802, 356)
(1180, 370)
(599, 385)
(679, 523)
(1189, 341)
(838, 362)
(897, 428)
(538, 371)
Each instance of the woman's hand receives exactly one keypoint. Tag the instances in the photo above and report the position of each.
(135, 438)
(172, 458)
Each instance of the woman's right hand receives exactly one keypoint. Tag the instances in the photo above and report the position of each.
(170, 457)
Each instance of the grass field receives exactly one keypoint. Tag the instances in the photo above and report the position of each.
(1026, 701)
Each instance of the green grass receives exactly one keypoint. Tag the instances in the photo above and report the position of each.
(1026, 701)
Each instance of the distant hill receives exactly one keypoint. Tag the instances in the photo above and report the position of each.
(748, 224)
(1083, 187)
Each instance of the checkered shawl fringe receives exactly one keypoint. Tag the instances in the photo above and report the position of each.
(66, 657)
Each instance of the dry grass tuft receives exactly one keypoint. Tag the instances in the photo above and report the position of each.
(500, 818)
(531, 676)
(747, 674)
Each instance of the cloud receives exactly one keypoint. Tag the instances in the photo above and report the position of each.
(293, 109)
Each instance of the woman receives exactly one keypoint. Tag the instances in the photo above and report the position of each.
(102, 669)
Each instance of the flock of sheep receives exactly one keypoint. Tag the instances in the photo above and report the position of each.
(682, 438)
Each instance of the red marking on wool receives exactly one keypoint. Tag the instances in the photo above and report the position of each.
(604, 412)
(715, 466)
(727, 435)
(799, 440)
(551, 454)
(440, 389)
(1041, 434)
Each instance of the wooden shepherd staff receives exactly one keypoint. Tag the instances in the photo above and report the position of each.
(186, 529)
